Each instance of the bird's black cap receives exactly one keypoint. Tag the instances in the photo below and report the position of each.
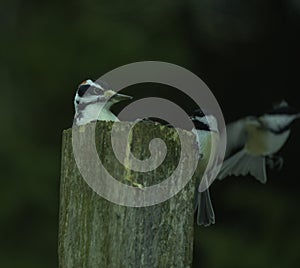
(199, 113)
(199, 125)
(282, 109)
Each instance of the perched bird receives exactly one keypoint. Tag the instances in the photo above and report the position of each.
(89, 100)
(207, 134)
(252, 142)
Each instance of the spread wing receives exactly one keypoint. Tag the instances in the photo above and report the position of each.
(236, 136)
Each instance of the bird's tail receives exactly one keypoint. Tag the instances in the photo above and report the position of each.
(204, 209)
(243, 163)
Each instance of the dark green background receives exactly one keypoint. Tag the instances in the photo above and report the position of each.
(245, 51)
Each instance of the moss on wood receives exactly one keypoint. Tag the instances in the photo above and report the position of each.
(94, 232)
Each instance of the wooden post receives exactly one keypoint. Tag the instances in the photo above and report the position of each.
(94, 232)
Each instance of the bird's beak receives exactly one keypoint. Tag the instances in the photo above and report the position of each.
(116, 97)
(120, 97)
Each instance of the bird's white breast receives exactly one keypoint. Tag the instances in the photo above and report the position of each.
(207, 142)
(261, 141)
(274, 142)
(95, 112)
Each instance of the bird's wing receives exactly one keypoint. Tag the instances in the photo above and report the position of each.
(242, 164)
(236, 136)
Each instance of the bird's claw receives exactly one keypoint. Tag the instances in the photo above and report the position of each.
(275, 161)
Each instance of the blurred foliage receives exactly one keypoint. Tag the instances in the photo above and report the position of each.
(244, 50)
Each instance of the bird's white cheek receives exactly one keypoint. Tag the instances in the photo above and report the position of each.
(92, 111)
(276, 142)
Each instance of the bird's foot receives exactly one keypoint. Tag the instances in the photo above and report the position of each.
(200, 156)
(275, 161)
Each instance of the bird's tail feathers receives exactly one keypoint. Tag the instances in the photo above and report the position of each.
(242, 163)
(204, 210)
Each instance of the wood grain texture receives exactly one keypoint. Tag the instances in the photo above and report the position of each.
(94, 232)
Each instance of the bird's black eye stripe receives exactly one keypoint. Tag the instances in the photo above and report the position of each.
(97, 90)
(82, 89)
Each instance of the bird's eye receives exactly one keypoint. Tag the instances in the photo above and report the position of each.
(97, 90)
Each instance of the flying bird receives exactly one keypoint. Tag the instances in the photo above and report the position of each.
(253, 142)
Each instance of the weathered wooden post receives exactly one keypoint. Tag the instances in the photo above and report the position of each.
(94, 232)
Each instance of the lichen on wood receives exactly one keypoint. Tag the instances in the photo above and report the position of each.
(94, 232)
